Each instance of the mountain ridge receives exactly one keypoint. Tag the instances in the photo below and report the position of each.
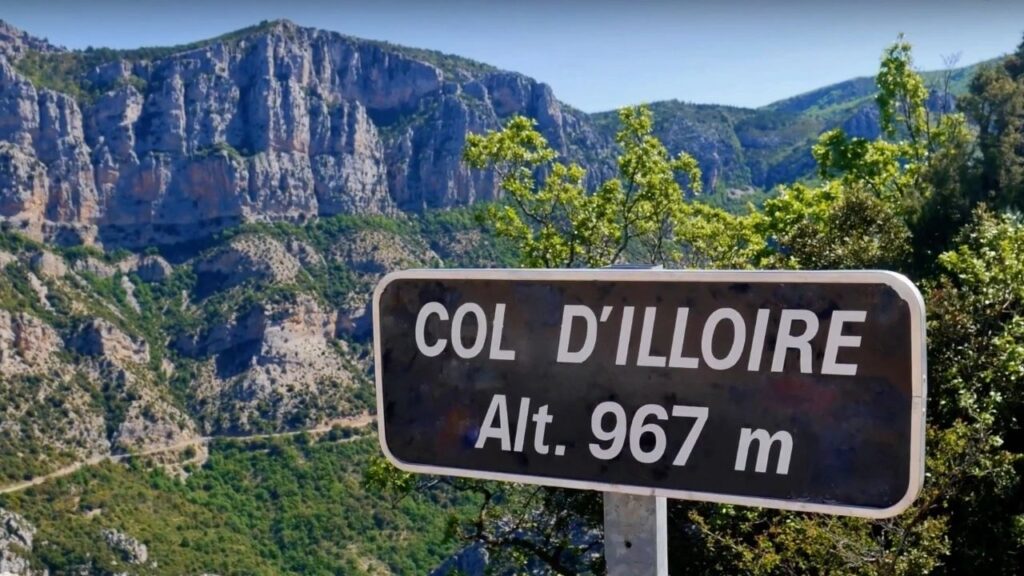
(281, 122)
(747, 150)
(961, 74)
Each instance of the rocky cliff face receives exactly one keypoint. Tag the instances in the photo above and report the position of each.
(16, 538)
(14, 42)
(73, 384)
(247, 336)
(276, 122)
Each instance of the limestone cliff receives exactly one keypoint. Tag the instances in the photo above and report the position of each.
(272, 123)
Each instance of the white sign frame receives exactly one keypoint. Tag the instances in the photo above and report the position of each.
(899, 283)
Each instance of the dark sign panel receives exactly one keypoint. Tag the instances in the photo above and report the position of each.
(795, 390)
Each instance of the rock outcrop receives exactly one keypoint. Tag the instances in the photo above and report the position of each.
(94, 266)
(272, 367)
(15, 42)
(48, 265)
(469, 561)
(245, 258)
(152, 268)
(27, 345)
(101, 339)
(131, 550)
(370, 255)
(16, 538)
(44, 406)
(276, 123)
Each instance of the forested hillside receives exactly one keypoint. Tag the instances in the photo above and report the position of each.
(745, 152)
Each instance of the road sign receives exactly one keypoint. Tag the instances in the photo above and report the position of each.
(793, 390)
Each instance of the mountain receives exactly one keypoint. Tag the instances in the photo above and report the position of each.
(277, 122)
(271, 123)
(741, 150)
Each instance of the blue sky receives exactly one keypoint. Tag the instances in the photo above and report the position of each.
(598, 54)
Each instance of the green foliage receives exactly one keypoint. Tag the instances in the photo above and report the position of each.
(917, 168)
(222, 149)
(13, 242)
(830, 227)
(901, 92)
(518, 524)
(714, 134)
(979, 352)
(17, 294)
(463, 238)
(276, 507)
(25, 402)
(996, 106)
(59, 71)
(641, 215)
(897, 168)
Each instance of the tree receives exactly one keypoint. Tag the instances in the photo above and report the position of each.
(832, 226)
(977, 361)
(995, 104)
(640, 216)
(918, 166)
(882, 199)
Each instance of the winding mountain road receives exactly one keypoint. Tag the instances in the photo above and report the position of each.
(359, 421)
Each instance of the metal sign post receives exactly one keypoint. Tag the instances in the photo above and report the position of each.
(635, 535)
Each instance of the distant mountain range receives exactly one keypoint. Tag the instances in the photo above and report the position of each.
(746, 149)
(279, 122)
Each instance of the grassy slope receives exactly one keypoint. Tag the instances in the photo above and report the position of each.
(277, 507)
(841, 96)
